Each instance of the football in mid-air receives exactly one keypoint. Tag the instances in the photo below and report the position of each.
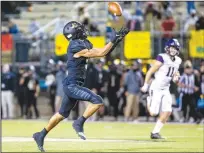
(115, 8)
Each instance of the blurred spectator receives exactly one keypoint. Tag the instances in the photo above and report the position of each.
(200, 22)
(101, 83)
(51, 66)
(20, 90)
(94, 31)
(10, 7)
(60, 76)
(127, 15)
(202, 78)
(190, 6)
(13, 29)
(90, 76)
(90, 83)
(50, 81)
(101, 78)
(133, 82)
(168, 25)
(60, 25)
(166, 7)
(84, 17)
(121, 93)
(33, 26)
(24, 83)
(189, 85)
(199, 95)
(150, 15)
(135, 23)
(191, 21)
(4, 30)
(7, 88)
(33, 92)
(113, 88)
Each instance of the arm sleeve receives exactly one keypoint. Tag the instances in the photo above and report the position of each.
(76, 46)
(160, 58)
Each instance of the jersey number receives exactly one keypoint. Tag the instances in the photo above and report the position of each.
(170, 72)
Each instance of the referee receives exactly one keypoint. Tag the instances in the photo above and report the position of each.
(189, 85)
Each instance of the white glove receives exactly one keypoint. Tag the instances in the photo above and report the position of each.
(145, 87)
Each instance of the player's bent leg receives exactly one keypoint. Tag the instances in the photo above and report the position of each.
(64, 111)
(84, 94)
(90, 110)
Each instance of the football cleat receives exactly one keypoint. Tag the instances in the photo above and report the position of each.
(79, 129)
(156, 136)
(39, 141)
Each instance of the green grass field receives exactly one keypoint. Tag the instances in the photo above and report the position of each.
(102, 137)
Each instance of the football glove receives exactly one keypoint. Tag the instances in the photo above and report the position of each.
(118, 36)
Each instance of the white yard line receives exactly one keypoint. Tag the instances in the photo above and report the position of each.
(26, 139)
(106, 121)
(137, 137)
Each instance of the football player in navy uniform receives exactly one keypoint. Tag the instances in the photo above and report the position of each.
(78, 52)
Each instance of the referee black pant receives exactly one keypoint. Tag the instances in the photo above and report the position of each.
(189, 100)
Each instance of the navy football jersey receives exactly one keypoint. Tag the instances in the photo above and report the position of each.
(76, 66)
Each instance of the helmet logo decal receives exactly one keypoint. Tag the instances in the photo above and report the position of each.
(74, 25)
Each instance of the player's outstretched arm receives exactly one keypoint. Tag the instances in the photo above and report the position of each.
(149, 74)
(100, 52)
(94, 52)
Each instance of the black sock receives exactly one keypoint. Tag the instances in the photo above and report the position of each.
(82, 119)
(44, 132)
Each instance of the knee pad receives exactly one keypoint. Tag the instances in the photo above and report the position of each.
(97, 100)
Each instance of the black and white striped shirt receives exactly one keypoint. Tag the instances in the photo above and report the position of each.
(187, 80)
(202, 84)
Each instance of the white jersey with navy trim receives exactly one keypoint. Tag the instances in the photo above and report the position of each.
(165, 73)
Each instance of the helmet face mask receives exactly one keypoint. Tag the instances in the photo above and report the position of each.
(75, 30)
(82, 30)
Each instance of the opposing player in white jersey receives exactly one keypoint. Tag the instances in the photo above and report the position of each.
(166, 69)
